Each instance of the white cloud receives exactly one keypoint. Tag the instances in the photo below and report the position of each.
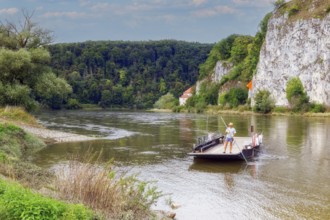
(217, 10)
(8, 11)
(70, 14)
(260, 3)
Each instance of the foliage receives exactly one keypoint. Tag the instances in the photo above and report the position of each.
(73, 104)
(280, 109)
(167, 101)
(234, 98)
(24, 72)
(279, 3)
(263, 102)
(17, 202)
(17, 114)
(114, 195)
(15, 142)
(220, 51)
(128, 74)
(240, 49)
(317, 108)
(296, 95)
(293, 10)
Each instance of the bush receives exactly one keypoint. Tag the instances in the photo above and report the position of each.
(263, 102)
(280, 109)
(293, 10)
(317, 108)
(167, 101)
(235, 97)
(17, 202)
(73, 104)
(115, 196)
(279, 3)
(296, 95)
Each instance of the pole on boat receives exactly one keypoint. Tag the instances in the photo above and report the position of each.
(235, 142)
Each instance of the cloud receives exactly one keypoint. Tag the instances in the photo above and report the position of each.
(258, 3)
(8, 11)
(217, 10)
(70, 14)
(198, 2)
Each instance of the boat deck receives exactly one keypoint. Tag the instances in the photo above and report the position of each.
(219, 148)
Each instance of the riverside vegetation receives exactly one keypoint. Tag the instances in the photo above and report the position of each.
(81, 190)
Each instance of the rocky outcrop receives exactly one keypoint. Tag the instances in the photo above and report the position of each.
(295, 49)
(221, 68)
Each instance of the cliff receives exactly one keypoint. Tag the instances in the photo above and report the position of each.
(296, 47)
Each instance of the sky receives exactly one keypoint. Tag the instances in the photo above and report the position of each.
(205, 21)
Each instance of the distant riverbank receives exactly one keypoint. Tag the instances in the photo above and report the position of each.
(214, 110)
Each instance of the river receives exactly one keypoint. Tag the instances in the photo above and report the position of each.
(289, 180)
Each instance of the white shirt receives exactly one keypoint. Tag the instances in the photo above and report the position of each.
(230, 132)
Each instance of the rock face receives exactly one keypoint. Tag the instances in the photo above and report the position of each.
(295, 49)
(222, 68)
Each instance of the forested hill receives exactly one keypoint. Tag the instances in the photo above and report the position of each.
(130, 74)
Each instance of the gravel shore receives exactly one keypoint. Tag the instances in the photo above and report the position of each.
(52, 136)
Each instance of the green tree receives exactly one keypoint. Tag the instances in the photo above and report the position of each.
(167, 101)
(296, 95)
(263, 102)
(24, 66)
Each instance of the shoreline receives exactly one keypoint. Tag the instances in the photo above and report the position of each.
(213, 111)
(53, 136)
(50, 136)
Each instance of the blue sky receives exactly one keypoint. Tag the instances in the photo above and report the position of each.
(205, 21)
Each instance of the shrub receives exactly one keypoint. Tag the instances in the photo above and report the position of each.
(296, 95)
(279, 3)
(167, 101)
(114, 195)
(235, 97)
(17, 202)
(263, 102)
(73, 104)
(293, 10)
(280, 109)
(317, 108)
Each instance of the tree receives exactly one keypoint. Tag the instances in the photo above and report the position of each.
(263, 102)
(25, 35)
(296, 95)
(24, 66)
(167, 101)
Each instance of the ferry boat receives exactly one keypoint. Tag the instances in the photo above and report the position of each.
(211, 146)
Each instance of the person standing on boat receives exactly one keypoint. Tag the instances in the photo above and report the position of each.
(230, 133)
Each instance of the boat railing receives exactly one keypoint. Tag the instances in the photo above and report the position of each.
(207, 138)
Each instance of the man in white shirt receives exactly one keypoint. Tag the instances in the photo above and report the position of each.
(230, 133)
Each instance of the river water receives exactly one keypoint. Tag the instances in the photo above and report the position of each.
(289, 180)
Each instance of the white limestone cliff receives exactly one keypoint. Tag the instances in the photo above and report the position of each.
(221, 68)
(295, 49)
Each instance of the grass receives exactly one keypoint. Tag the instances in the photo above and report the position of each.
(17, 114)
(301, 10)
(102, 189)
(16, 143)
(17, 202)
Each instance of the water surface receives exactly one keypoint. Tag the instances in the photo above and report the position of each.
(289, 180)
